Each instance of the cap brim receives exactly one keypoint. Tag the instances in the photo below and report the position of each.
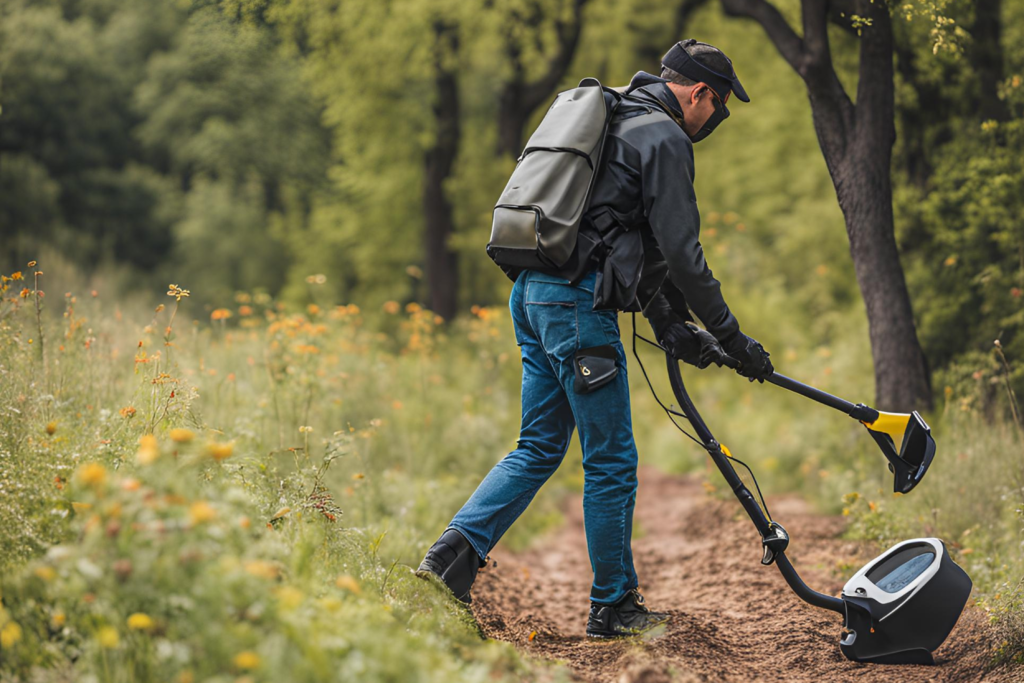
(737, 88)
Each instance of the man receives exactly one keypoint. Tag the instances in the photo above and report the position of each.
(642, 224)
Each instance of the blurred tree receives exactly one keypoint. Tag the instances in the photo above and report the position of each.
(857, 140)
(231, 119)
(524, 25)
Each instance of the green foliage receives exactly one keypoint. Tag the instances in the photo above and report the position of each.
(245, 496)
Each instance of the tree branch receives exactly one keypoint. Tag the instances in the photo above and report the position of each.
(782, 35)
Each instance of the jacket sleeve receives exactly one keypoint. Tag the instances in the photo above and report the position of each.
(662, 303)
(670, 206)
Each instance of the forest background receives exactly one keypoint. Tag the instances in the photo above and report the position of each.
(305, 163)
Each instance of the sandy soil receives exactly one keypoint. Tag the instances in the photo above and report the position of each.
(698, 558)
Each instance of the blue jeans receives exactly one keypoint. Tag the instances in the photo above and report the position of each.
(552, 320)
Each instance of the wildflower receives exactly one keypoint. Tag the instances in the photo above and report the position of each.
(220, 314)
(45, 573)
(247, 660)
(414, 271)
(245, 310)
(262, 569)
(25, 293)
(305, 429)
(107, 637)
(51, 428)
(201, 512)
(140, 622)
(10, 634)
(16, 275)
(220, 451)
(32, 264)
(130, 484)
(313, 309)
(348, 583)
(289, 597)
(177, 292)
(413, 308)
(58, 620)
(391, 307)
(92, 474)
(149, 450)
(182, 435)
(127, 412)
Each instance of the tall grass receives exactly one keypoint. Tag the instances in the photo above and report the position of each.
(240, 494)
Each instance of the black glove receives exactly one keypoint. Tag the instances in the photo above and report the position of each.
(710, 350)
(683, 344)
(692, 345)
(754, 359)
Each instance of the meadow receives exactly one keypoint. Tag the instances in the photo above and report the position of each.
(240, 493)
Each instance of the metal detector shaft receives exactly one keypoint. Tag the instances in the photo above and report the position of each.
(753, 510)
(857, 411)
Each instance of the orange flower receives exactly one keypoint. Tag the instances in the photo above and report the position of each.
(391, 307)
(244, 310)
(220, 314)
(127, 412)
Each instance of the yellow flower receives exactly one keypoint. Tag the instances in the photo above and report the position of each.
(289, 597)
(391, 307)
(305, 429)
(149, 450)
(348, 583)
(107, 637)
(92, 474)
(200, 512)
(247, 660)
(177, 292)
(45, 573)
(51, 428)
(182, 435)
(140, 622)
(31, 264)
(262, 569)
(220, 451)
(58, 620)
(16, 275)
(10, 634)
(127, 412)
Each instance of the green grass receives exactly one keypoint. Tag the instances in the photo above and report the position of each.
(244, 497)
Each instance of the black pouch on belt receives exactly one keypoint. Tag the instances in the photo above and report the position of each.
(594, 368)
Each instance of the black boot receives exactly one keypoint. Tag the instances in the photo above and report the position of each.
(628, 617)
(453, 561)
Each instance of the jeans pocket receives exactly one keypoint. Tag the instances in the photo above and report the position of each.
(552, 312)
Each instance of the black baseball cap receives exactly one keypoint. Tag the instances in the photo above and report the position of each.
(680, 61)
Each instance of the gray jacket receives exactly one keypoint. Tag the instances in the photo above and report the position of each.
(642, 228)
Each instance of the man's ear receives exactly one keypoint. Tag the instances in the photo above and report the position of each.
(697, 92)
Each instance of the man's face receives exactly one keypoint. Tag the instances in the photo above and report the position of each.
(699, 106)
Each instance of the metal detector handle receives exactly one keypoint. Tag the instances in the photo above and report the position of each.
(857, 411)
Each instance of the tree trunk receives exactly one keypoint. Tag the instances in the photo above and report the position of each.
(519, 98)
(442, 267)
(986, 57)
(856, 141)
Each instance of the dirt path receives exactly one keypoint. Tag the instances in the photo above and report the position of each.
(733, 620)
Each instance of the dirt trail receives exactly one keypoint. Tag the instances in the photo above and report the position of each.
(733, 620)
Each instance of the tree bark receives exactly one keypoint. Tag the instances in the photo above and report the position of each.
(986, 57)
(856, 141)
(519, 98)
(442, 271)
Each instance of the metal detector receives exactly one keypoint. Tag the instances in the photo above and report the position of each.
(903, 604)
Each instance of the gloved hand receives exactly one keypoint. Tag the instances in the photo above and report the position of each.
(692, 345)
(710, 350)
(683, 344)
(755, 360)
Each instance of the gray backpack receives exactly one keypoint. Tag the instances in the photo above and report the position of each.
(538, 215)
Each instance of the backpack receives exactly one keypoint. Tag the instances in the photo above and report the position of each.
(537, 217)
